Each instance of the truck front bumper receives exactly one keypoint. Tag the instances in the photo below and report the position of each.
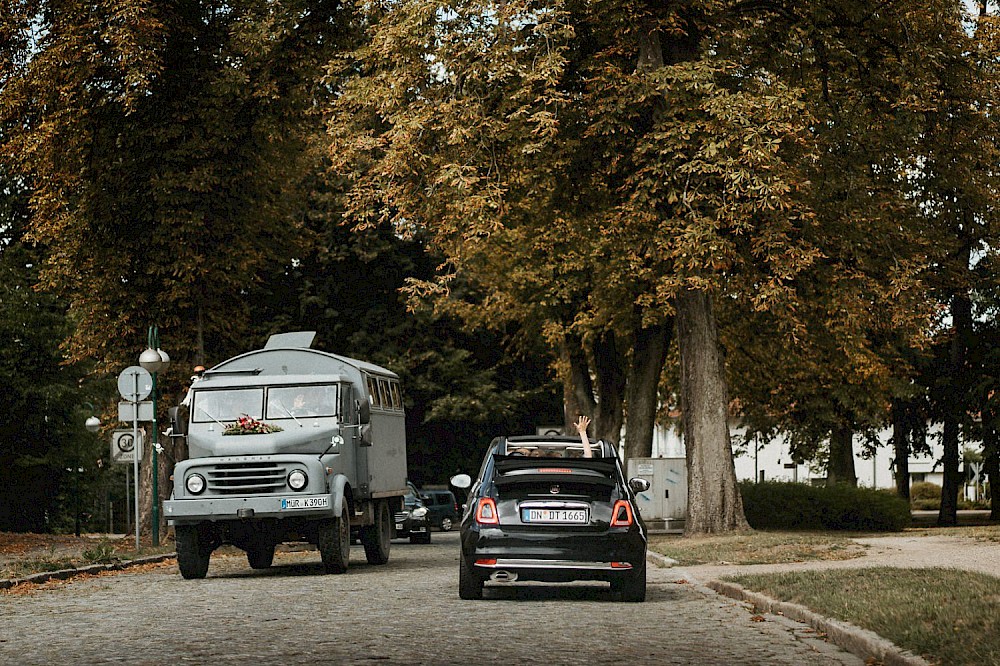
(197, 510)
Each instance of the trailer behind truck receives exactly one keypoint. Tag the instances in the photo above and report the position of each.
(288, 443)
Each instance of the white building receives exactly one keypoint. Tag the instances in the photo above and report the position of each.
(773, 462)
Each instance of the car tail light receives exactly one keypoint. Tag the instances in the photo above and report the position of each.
(486, 512)
(621, 565)
(621, 515)
(487, 561)
(554, 470)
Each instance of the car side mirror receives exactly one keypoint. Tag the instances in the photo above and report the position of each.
(638, 484)
(463, 481)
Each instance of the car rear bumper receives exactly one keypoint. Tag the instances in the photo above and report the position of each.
(564, 557)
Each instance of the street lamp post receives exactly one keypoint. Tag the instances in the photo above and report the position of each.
(93, 424)
(153, 360)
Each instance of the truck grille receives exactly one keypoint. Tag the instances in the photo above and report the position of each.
(246, 478)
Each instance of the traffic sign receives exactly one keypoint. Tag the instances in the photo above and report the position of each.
(124, 447)
(127, 411)
(135, 383)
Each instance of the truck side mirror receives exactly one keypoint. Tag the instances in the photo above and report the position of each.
(178, 421)
(366, 435)
(364, 411)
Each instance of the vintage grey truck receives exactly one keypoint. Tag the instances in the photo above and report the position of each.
(288, 443)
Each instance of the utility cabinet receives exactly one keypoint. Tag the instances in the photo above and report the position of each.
(664, 505)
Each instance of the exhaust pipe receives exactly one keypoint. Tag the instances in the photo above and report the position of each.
(503, 577)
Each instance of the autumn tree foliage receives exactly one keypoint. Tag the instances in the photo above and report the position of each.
(164, 146)
(602, 170)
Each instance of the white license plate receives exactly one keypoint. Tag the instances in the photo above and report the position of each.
(399, 527)
(322, 502)
(554, 515)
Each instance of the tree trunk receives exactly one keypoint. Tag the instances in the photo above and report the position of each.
(578, 397)
(714, 501)
(991, 466)
(610, 376)
(901, 449)
(583, 388)
(649, 353)
(961, 314)
(840, 468)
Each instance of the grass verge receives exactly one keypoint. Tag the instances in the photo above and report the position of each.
(757, 548)
(62, 557)
(946, 615)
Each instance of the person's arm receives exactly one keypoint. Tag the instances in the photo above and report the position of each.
(581, 427)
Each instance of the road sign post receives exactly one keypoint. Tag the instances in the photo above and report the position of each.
(134, 384)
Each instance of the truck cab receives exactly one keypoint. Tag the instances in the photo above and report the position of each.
(288, 443)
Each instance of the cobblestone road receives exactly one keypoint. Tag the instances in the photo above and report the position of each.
(406, 612)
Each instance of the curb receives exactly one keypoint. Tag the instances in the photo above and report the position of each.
(861, 642)
(63, 574)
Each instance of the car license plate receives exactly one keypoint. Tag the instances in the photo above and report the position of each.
(399, 527)
(321, 502)
(554, 515)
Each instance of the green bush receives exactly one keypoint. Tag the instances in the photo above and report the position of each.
(925, 490)
(796, 506)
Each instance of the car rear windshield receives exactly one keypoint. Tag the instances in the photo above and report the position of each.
(592, 479)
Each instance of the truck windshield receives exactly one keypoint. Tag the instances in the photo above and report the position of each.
(286, 402)
(227, 404)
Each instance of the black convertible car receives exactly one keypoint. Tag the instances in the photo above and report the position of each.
(540, 511)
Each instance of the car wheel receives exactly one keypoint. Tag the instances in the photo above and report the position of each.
(446, 524)
(469, 585)
(193, 551)
(377, 538)
(631, 588)
(334, 542)
(260, 555)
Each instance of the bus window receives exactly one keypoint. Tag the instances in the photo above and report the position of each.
(397, 399)
(383, 389)
(373, 398)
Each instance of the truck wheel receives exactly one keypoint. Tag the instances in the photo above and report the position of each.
(632, 588)
(334, 542)
(446, 524)
(193, 551)
(469, 586)
(260, 555)
(377, 538)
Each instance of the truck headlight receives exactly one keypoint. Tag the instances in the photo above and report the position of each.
(195, 484)
(297, 479)
(419, 512)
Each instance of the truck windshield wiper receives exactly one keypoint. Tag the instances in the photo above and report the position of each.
(205, 412)
(285, 410)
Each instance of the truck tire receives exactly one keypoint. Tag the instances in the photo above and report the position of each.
(469, 586)
(260, 555)
(377, 538)
(193, 551)
(334, 542)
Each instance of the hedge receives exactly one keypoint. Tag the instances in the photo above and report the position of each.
(774, 505)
